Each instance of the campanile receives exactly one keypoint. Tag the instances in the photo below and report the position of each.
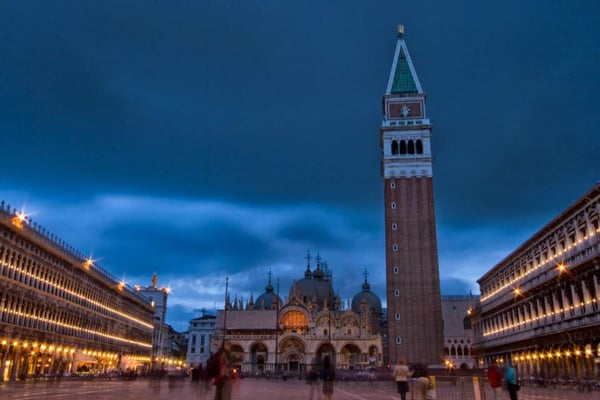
(414, 310)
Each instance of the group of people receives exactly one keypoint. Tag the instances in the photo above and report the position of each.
(327, 376)
(402, 374)
(424, 389)
(508, 377)
(218, 372)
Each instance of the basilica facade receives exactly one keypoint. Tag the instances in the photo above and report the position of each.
(269, 335)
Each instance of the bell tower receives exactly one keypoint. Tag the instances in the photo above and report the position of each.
(414, 309)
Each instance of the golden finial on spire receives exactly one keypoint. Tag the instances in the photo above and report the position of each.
(400, 30)
(154, 279)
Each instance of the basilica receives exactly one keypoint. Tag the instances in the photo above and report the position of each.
(269, 335)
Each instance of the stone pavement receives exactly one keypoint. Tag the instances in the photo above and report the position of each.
(248, 389)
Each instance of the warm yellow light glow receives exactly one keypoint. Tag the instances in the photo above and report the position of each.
(19, 219)
(540, 264)
(76, 294)
(87, 264)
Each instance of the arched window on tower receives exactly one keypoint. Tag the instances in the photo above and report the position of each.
(419, 146)
(402, 147)
(411, 147)
(394, 147)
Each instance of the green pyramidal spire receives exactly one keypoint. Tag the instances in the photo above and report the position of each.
(403, 77)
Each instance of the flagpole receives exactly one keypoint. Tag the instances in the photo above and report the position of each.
(225, 315)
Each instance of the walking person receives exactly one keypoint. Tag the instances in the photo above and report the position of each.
(328, 377)
(512, 384)
(313, 380)
(401, 374)
(223, 380)
(494, 375)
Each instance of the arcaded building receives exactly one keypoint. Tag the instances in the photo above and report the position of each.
(414, 311)
(459, 338)
(268, 334)
(539, 305)
(59, 311)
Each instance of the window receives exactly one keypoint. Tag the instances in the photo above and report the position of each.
(395, 247)
(394, 147)
(394, 226)
(403, 147)
(295, 321)
(393, 205)
(397, 316)
(393, 185)
(398, 340)
(396, 269)
(396, 292)
(467, 323)
(419, 147)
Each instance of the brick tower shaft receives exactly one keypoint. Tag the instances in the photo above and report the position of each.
(414, 312)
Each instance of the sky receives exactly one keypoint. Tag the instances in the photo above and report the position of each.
(206, 139)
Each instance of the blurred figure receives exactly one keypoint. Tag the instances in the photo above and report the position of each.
(328, 377)
(423, 382)
(401, 374)
(511, 381)
(223, 380)
(195, 373)
(494, 375)
(313, 380)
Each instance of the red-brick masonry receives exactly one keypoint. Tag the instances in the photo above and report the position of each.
(414, 309)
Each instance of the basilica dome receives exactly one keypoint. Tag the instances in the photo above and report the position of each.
(268, 300)
(372, 300)
(315, 288)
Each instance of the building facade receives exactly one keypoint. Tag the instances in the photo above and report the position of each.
(60, 312)
(269, 335)
(539, 306)
(414, 313)
(161, 343)
(200, 332)
(459, 338)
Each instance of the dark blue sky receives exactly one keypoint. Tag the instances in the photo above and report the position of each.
(204, 139)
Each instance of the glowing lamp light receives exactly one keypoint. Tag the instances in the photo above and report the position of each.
(19, 219)
(87, 264)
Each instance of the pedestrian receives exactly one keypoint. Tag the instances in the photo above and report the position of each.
(401, 374)
(195, 372)
(494, 375)
(423, 383)
(512, 384)
(225, 373)
(328, 377)
(312, 378)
